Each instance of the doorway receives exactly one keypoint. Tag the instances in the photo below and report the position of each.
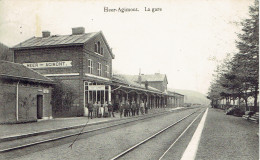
(39, 106)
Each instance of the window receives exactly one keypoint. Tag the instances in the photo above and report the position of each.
(90, 66)
(96, 47)
(102, 51)
(107, 70)
(99, 69)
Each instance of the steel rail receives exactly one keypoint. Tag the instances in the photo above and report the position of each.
(179, 136)
(149, 138)
(89, 131)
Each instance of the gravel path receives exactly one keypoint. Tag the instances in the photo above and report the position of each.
(228, 138)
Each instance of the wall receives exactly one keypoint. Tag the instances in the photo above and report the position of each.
(105, 59)
(157, 85)
(75, 85)
(51, 54)
(27, 101)
(7, 103)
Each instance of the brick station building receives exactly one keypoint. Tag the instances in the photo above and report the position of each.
(82, 64)
(25, 95)
(76, 60)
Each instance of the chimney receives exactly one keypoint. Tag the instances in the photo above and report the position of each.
(46, 34)
(78, 30)
(146, 84)
(139, 77)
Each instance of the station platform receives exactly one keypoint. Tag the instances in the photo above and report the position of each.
(23, 130)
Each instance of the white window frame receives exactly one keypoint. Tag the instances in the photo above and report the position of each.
(90, 66)
(99, 69)
(107, 70)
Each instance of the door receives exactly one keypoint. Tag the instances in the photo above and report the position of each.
(39, 106)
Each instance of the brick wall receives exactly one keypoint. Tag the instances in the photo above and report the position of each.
(27, 101)
(104, 59)
(76, 109)
(157, 85)
(51, 55)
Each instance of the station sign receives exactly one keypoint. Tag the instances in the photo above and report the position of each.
(57, 64)
(96, 87)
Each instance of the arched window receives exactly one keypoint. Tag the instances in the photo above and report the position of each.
(96, 47)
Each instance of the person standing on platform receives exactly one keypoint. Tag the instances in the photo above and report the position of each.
(90, 109)
(95, 109)
(137, 108)
(105, 112)
(142, 107)
(130, 109)
(121, 108)
(133, 108)
(110, 109)
(101, 110)
(146, 107)
(126, 108)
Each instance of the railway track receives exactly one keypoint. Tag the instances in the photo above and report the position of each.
(150, 138)
(117, 123)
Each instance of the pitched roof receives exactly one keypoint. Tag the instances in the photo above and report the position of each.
(157, 77)
(55, 40)
(126, 79)
(60, 40)
(172, 91)
(19, 71)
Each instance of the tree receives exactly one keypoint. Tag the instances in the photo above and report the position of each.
(247, 68)
(238, 77)
(5, 53)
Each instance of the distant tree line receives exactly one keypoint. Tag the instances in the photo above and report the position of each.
(5, 53)
(237, 77)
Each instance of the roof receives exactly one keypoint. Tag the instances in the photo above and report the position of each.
(172, 91)
(59, 40)
(157, 77)
(55, 40)
(126, 79)
(18, 71)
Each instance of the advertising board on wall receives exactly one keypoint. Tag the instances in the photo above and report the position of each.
(58, 64)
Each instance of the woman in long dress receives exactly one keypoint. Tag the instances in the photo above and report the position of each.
(101, 109)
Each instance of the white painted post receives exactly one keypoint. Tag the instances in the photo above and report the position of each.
(17, 100)
(84, 94)
(109, 93)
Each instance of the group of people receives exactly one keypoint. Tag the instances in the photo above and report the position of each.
(132, 109)
(97, 109)
(100, 110)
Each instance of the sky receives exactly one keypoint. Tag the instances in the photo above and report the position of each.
(184, 39)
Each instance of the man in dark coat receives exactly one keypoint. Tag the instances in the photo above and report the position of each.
(121, 108)
(110, 109)
(146, 107)
(133, 108)
(90, 109)
(127, 107)
(137, 108)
